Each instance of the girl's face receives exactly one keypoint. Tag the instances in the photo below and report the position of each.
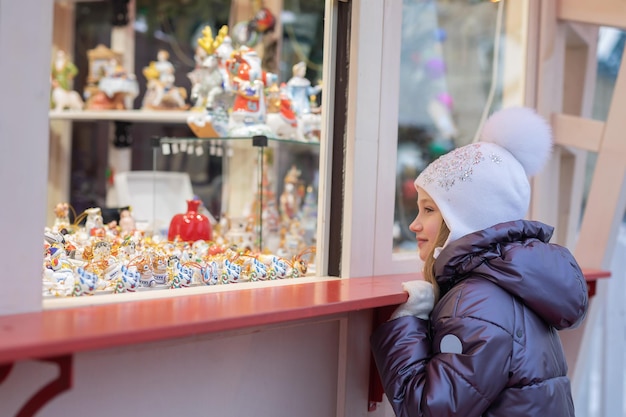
(427, 223)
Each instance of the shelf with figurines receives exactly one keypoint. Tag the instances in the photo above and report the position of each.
(85, 257)
(231, 95)
(233, 98)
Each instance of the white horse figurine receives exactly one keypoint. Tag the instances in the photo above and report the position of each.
(207, 83)
(66, 99)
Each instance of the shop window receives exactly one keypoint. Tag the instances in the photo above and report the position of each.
(287, 37)
(456, 60)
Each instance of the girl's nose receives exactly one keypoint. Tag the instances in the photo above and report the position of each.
(415, 226)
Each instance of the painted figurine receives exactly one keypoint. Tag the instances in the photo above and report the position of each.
(289, 199)
(207, 80)
(161, 91)
(115, 86)
(300, 90)
(62, 73)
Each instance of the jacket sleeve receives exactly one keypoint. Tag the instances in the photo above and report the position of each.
(420, 380)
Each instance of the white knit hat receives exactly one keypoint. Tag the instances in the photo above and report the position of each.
(485, 183)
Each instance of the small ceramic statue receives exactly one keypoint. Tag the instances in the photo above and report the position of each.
(248, 115)
(300, 90)
(207, 80)
(280, 115)
(114, 87)
(61, 217)
(289, 199)
(128, 281)
(94, 220)
(161, 92)
(62, 74)
(127, 223)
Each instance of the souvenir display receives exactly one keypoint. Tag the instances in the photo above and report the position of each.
(235, 97)
(90, 259)
(232, 96)
(62, 73)
(211, 91)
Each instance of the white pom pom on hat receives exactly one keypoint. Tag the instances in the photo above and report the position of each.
(522, 132)
(485, 183)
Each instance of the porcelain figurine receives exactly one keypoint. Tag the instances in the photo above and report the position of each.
(211, 273)
(161, 91)
(290, 200)
(309, 128)
(128, 281)
(280, 115)
(94, 218)
(279, 269)
(127, 223)
(231, 272)
(109, 268)
(248, 115)
(182, 276)
(159, 268)
(128, 249)
(224, 52)
(299, 265)
(62, 74)
(144, 267)
(85, 283)
(58, 283)
(309, 216)
(57, 259)
(255, 270)
(116, 85)
(207, 79)
(94, 223)
(61, 217)
(300, 90)
(210, 92)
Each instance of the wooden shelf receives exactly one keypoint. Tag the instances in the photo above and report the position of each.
(65, 331)
(68, 330)
(141, 116)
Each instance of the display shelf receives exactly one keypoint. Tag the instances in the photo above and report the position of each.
(144, 116)
(69, 330)
(270, 139)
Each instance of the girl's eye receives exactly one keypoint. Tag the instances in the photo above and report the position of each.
(428, 209)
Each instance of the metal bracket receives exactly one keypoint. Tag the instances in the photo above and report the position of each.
(120, 12)
(61, 383)
(259, 141)
(122, 138)
(5, 370)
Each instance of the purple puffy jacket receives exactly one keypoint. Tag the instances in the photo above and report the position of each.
(491, 347)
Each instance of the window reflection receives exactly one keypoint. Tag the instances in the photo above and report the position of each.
(446, 73)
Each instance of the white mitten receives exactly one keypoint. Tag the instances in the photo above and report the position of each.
(420, 303)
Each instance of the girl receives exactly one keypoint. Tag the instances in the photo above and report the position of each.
(500, 290)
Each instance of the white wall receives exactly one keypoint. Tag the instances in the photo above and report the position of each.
(25, 31)
(310, 369)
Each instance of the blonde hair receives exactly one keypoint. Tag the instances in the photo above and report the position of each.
(429, 264)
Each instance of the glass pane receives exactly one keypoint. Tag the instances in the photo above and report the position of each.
(448, 50)
(264, 199)
(609, 57)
